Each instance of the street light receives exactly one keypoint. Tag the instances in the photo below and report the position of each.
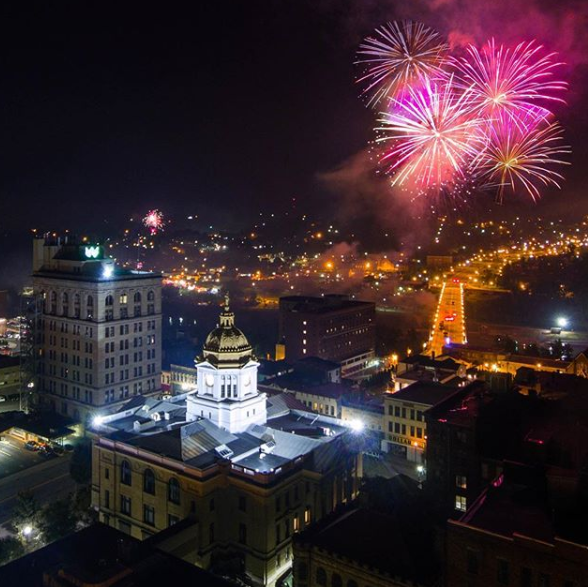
(357, 426)
(562, 322)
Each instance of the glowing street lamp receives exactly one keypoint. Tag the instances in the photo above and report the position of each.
(562, 322)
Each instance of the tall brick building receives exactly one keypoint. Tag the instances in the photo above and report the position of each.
(331, 327)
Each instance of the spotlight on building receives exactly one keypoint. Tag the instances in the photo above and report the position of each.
(97, 421)
(107, 271)
(357, 426)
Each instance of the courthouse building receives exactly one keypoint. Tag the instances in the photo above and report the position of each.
(226, 474)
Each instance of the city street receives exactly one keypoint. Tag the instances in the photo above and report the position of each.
(449, 322)
(48, 481)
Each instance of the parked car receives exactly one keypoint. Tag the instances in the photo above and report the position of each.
(68, 448)
(2, 398)
(58, 450)
(32, 445)
(46, 451)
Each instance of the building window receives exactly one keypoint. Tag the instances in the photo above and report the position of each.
(242, 533)
(461, 481)
(321, 577)
(526, 577)
(125, 473)
(173, 490)
(296, 524)
(149, 482)
(211, 533)
(307, 516)
(149, 515)
(336, 580)
(544, 580)
(109, 301)
(302, 571)
(460, 503)
(502, 571)
(171, 520)
(242, 503)
(125, 505)
(472, 561)
(107, 499)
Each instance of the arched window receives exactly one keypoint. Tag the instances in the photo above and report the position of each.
(336, 580)
(109, 300)
(173, 490)
(64, 298)
(125, 473)
(76, 299)
(90, 301)
(149, 481)
(137, 297)
(150, 295)
(53, 303)
(123, 297)
(321, 576)
(302, 571)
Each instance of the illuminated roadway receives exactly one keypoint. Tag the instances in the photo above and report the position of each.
(449, 321)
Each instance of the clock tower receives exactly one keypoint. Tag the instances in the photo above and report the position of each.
(227, 379)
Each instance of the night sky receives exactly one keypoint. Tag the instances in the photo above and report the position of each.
(221, 109)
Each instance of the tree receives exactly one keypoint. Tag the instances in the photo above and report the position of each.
(26, 510)
(80, 466)
(57, 519)
(10, 548)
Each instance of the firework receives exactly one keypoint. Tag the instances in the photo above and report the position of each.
(153, 221)
(430, 137)
(518, 81)
(520, 156)
(400, 53)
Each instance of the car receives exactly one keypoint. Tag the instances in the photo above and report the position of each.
(58, 450)
(46, 451)
(68, 448)
(2, 398)
(32, 445)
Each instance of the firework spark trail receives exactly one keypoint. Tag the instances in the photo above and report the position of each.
(518, 155)
(517, 80)
(402, 52)
(433, 136)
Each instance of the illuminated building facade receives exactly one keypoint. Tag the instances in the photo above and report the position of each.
(331, 327)
(405, 429)
(100, 341)
(237, 483)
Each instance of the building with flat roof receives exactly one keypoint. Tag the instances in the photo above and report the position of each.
(405, 430)
(247, 470)
(363, 544)
(99, 334)
(334, 328)
(515, 534)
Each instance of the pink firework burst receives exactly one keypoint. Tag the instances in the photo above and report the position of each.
(430, 136)
(517, 81)
(154, 221)
(520, 156)
(398, 54)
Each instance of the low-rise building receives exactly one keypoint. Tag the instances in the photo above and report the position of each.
(404, 420)
(367, 545)
(368, 411)
(513, 535)
(9, 375)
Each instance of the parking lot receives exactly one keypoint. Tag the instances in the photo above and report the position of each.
(15, 458)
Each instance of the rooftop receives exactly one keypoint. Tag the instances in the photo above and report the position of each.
(423, 392)
(323, 305)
